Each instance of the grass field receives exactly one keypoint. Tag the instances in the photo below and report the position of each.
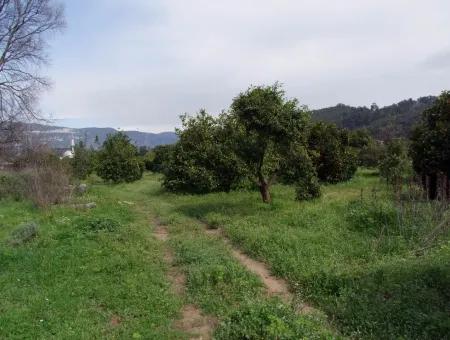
(101, 274)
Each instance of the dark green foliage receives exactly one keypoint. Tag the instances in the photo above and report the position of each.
(156, 159)
(13, 186)
(269, 320)
(333, 157)
(393, 121)
(83, 163)
(202, 160)
(430, 149)
(118, 160)
(99, 224)
(370, 156)
(402, 299)
(395, 165)
(359, 138)
(23, 234)
(307, 188)
(267, 126)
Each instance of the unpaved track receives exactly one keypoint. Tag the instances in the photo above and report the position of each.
(274, 286)
(200, 327)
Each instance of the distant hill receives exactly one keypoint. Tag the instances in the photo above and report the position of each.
(383, 123)
(60, 137)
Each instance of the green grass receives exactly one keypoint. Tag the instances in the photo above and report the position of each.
(72, 281)
(221, 286)
(371, 285)
(353, 259)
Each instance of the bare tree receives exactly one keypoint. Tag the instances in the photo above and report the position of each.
(24, 27)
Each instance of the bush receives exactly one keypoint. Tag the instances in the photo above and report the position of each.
(202, 161)
(396, 166)
(23, 234)
(269, 320)
(13, 186)
(83, 162)
(307, 188)
(40, 176)
(48, 181)
(99, 224)
(118, 160)
(334, 158)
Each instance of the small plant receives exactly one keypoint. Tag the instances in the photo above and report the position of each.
(23, 234)
(307, 189)
(12, 186)
(99, 224)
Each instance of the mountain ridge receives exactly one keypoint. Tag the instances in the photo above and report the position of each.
(60, 137)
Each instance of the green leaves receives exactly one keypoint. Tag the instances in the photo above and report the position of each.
(118, 160)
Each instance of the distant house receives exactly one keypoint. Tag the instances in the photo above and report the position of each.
(66, 152)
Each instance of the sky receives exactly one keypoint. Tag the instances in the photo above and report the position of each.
(139, 64)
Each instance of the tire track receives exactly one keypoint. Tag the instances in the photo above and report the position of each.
(192, 321)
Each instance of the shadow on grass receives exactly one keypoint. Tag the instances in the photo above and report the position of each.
(225, 209)
(400, 300)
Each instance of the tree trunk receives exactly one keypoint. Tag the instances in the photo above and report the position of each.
(432, 187)
(265, 193)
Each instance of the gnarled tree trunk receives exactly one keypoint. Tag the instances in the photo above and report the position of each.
(265, 193)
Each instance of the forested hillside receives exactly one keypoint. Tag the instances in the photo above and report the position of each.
(383, 123)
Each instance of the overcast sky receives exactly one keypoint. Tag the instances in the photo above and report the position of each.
(139, 64)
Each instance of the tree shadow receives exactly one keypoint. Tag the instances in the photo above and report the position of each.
(397, 300)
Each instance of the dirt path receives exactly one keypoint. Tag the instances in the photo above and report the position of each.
(274, 286)
(192, 321)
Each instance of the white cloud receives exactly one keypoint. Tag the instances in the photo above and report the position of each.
(142, 63)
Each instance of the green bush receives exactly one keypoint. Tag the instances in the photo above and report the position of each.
(13, 186)
(334, 158)
(118, 160)
(202, 161)
(307, 188)
(99, 224)
(372, 216)
(23, 234)
(269, 320)
(83, 163)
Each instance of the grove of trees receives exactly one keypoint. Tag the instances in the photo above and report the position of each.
(265, 137)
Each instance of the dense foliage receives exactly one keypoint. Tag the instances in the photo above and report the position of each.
(430, 147)
(83, 162)
(202, 160)
(334, 159)
(270, 129)
(264, 138)
(118, 160)
(384, 123)
(395, 165)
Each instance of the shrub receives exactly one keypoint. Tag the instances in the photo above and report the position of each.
(269, 320)
(202, 161)
(48, 181)
(307, 188)
(118, 160)
(13, 186)
(396, 166)
(330, 149)
(40, 176)
(99, 224)
(83, 162)
(23, 234)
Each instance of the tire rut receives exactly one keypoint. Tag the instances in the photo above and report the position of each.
(274, 286)
(192, 321)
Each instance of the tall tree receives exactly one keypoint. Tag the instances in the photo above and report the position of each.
(268, 127)
(24, 27)
(430, 148)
